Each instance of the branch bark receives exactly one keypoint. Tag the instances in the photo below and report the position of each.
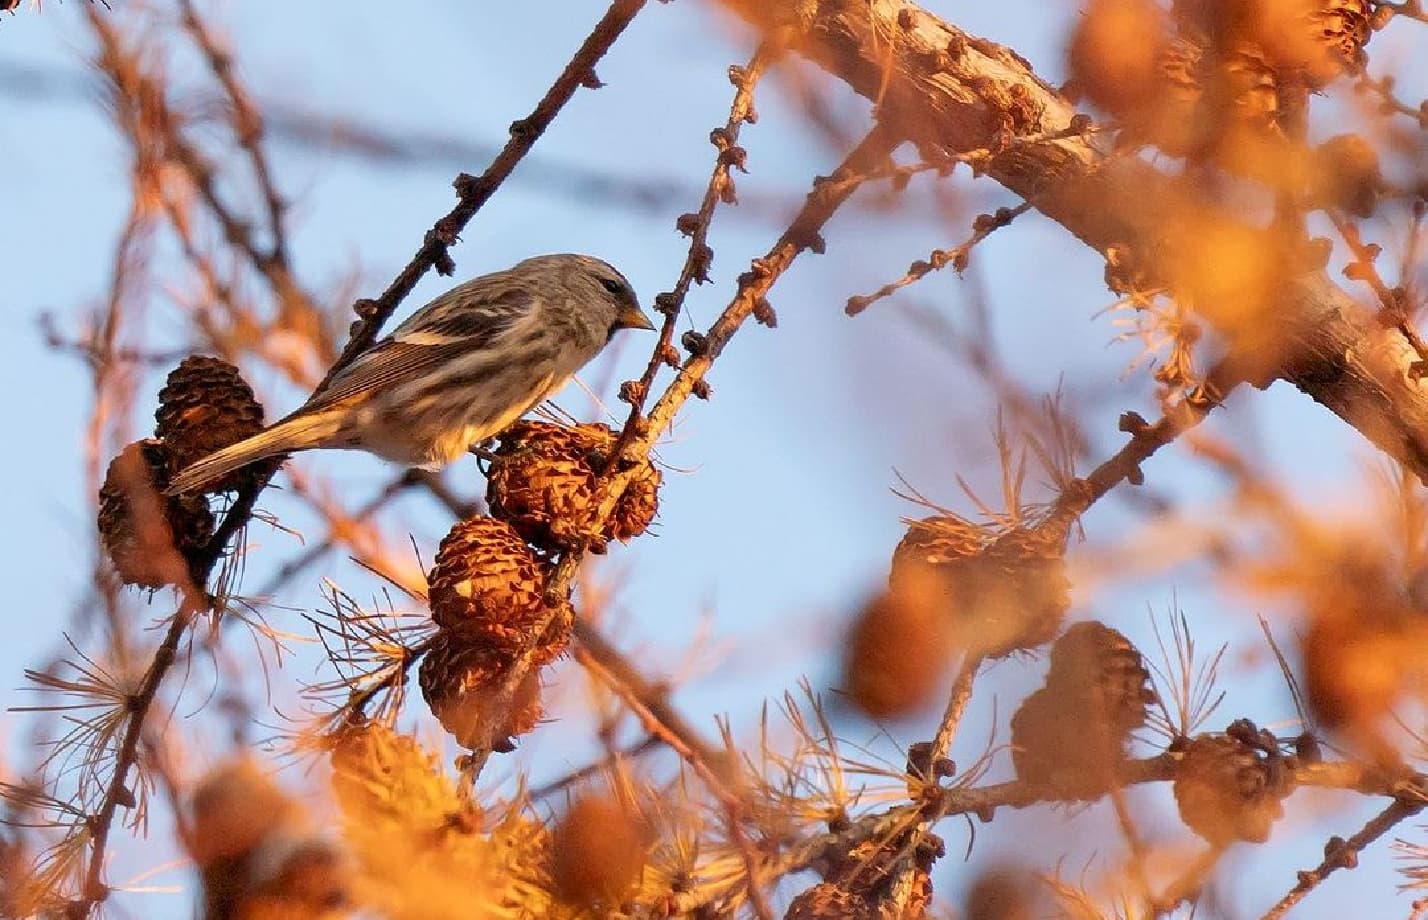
(952, 91)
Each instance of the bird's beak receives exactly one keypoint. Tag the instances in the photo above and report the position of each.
(632, 317)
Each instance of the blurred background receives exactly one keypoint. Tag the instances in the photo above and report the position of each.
(779, 512)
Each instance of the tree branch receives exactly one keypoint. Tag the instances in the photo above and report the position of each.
(1344, 854)
(951, 90)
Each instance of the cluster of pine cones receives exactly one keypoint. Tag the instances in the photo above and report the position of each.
(487, 590)
(958, 587)
(156, 540)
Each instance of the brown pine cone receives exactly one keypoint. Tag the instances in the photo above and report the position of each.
(205, 406)
(1113, 55)
(1072, 732)
(827, 901)
(542, 482)
(152, 539)
(1001, 593)
(1228, 790)
(459, 680)
(1101, 666)
(487, 583)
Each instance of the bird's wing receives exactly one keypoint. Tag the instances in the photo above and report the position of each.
(474, 313)
(428, 339)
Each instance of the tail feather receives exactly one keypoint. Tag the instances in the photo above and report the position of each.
(297, 433)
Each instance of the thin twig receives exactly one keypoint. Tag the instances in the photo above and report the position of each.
(982, 227)
(140, 702)
(982, 801)
(1389, 103)
(1344, 854)
(1145, 440)
(956, 705)
(1187, 886)
(313, 553)
(575, 777)
(594, 648)
(1393, 305)
(248, 126)
(696, 225)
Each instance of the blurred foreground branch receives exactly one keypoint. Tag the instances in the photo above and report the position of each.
(954, 91)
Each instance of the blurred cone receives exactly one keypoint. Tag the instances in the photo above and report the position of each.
(152, 539)
(1114, 54)
(1227, 790)
(999, 593)
(1346, 175)
(897, 650)
(1072, 732)
(1002, 894)
(254, 852)
(598, 851)
(1365, 649)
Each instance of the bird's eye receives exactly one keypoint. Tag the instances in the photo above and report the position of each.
(613, 286)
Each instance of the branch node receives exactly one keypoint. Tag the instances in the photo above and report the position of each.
(696, 343)
(734, 156)
(467, 186)
(667, 302)
(1132, 423)
(632, 392)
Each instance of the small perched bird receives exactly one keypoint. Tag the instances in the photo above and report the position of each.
(458, 371)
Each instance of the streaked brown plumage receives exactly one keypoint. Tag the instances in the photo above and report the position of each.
(458, 371)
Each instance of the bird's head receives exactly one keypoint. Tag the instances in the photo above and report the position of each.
(605, 295)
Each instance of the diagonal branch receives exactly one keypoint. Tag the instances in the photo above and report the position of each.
(1344, 854)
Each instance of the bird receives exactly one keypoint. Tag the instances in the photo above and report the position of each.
(458, 371)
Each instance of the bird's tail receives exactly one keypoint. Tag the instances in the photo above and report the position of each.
(297, 432)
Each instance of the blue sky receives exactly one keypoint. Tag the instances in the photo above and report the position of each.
(778, 516)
